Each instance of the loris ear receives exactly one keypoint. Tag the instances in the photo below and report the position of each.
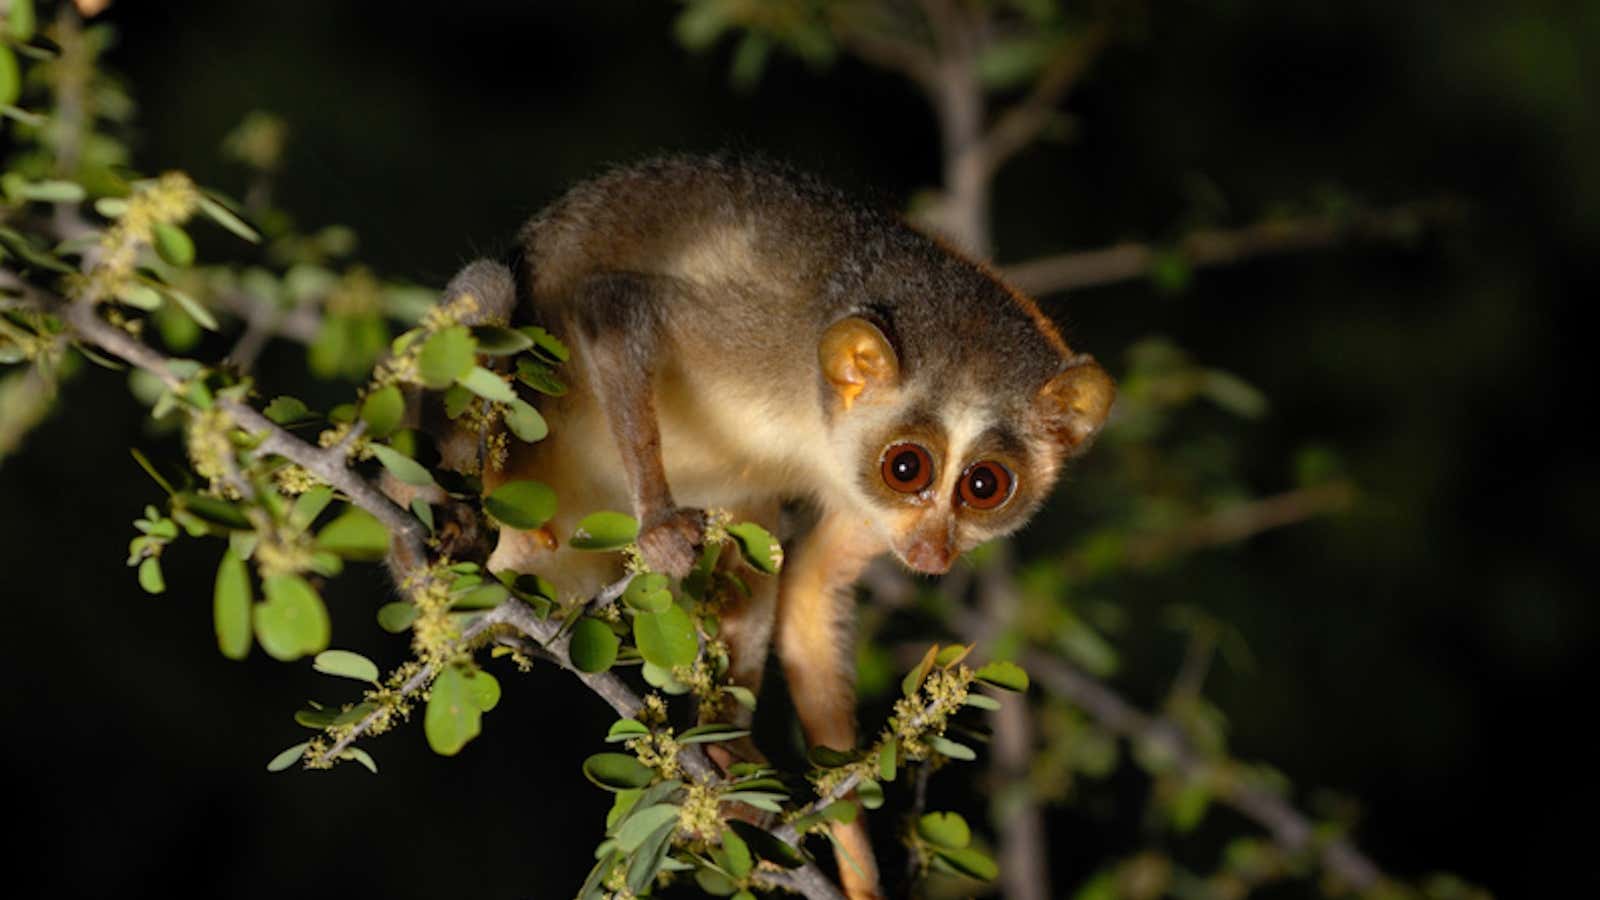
(1073, 405)
(857, 358)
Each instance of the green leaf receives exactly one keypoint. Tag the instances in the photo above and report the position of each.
(644, 865)
(288, 757)
(546, 344)
(743, 695)
(712, 732)
(382, 410)
(594, 645)
(483, 690)
(870, 793)
(641, 823)
(309, 505)
(286, 410)
(225, 217)
(648, 592)
(887, 758)
(495, 340)
(914, 678)
(10, 77)
(617, 771)
(666, 638)
(453, 717)
(604, 531)
(346, 664)
(759, 548)
(150, 576)
(944, 829)
(1003, 674)
(1189, 806)
(969, 862)
(626, 730)
(487, 385)
(714, 883)
(212, 511)
(540, 377)
(525, 422)
(293, 622)
(23, 21)
(951, 655)
(456, 401)
(951, 748)
(361, 756)
(355, 535)
(445, 357)
(521, 504)
(230, 607)
(767, 846)
(401, 466)
(982, 701)
(397, 616)
(824, 757)
(172, 244)
(191, 307)
(737, 854)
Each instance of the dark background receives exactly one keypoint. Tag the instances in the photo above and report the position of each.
(1430, 657)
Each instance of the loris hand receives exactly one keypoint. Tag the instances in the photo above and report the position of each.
(671, 542)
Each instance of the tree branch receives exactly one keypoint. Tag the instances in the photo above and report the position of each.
(1289, 828)
(330, 465)
(1245, 520)
(1020, 124)
(1129, 260)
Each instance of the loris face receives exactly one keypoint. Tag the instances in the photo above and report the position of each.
(938, 472)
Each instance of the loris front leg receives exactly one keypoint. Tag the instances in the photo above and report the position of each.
(618, 323)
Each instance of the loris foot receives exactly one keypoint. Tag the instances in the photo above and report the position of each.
(671, 542)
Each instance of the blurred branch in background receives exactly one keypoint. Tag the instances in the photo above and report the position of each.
(1220, 247)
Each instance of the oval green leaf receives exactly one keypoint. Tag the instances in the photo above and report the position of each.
(230, 607)
(759, 548)
(397, 616)
(617, 771)
(944, 829)
(288, 757)
(1003, 674)
(293, 622)
(356, 535)
(445, 356)
(666, 638)
(346, 664)
(172, 244)
(382, 410)
(401, 466)
(487, 385)
(453, 718)
(521, 504)
(604, 531)
(594, 646)
(969, 862)
(525, 422)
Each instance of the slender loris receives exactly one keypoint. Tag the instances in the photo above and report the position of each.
(746, 337)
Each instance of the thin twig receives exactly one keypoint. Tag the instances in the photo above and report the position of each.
(1017, 127)
(1245, 520)
(1130, 260)
(1289, 828)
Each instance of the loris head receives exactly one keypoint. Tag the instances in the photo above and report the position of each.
(945, 453)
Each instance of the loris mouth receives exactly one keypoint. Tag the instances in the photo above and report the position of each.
(927, 557)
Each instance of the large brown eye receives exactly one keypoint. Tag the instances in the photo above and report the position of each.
(985, 485)
(907, 468)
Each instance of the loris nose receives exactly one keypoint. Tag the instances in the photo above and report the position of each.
(932, 557)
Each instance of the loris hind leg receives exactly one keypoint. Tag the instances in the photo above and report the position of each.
(815, 610)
